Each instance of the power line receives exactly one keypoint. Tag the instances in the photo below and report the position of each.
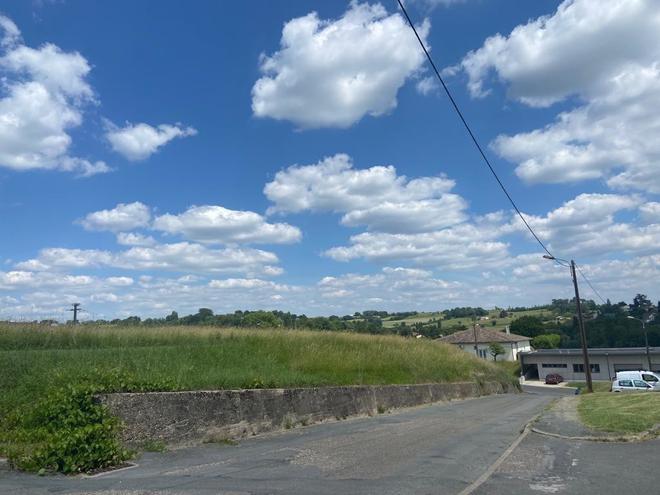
(590, 284)
(483, 155)
(469, 130)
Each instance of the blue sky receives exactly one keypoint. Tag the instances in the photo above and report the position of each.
(298, 156)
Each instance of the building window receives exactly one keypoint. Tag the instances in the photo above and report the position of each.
(579, 368)
(554, 365)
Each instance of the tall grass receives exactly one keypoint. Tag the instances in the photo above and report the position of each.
(34, 360)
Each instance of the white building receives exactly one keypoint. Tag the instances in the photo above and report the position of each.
(484, 337)
(604, 362)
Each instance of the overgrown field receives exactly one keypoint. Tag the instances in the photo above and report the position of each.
(620, 413)
(43, 367)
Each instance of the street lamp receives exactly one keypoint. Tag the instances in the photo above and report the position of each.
(646, 338)
(583, 333)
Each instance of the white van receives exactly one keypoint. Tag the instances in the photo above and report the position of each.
(648, 376)
(631, 385)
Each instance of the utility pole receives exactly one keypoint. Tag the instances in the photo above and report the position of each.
(75, 309)
(646, 337)
(474, 332)
(583, 333)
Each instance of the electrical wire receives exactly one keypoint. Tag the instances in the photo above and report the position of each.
(485, 158)
(469, 130)
(590, 284)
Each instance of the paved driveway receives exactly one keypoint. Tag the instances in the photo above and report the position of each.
(436, 449)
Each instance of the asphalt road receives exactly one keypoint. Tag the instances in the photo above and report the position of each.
(437, 449)
(550, 465)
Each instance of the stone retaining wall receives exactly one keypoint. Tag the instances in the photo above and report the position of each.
(186, 418)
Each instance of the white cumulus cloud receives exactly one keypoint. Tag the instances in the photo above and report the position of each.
(123, 217)
(215, 224)
(376, 197)
(140, 141)
(331, 73)
(43, 94)
(607, 54)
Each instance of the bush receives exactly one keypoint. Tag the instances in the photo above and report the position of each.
(69, 431)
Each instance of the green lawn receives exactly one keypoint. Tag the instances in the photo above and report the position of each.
(598, 386)
(620, 413)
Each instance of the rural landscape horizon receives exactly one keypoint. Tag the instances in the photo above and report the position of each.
(329, 246)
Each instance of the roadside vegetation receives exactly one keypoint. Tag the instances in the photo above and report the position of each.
(48, 375)
(620, 413)
(598, 386)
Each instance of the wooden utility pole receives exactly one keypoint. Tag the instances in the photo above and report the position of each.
(583, 333)
(474, 332)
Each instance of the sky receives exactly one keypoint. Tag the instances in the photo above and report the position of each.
(300, 156)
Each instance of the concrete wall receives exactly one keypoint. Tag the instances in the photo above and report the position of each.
(185, 418)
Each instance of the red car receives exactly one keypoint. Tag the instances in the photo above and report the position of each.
(553, 379)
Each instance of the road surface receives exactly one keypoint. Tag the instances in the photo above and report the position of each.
(436, 449)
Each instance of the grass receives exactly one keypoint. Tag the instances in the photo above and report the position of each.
(620, 413)
(34, 361)
(598, 386)
(501, 323)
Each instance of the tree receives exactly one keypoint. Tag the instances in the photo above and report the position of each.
(172, 318)
(529, 326)
(496, 349)
(546, 341)
(262, 319)
(642, 307)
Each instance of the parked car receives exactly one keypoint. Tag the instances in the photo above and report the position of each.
(553, 379)
(648, 376)
(631, 386)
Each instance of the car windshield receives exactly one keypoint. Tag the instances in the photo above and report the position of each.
(649, 378)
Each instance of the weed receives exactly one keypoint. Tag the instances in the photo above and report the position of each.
(221, 441)
(154, 446)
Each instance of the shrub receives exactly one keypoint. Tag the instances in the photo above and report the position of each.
(68, 431)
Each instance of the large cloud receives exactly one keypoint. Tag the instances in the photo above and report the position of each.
(331, 73)
(375, 197)
(124, 216)
(215, 224)
(140, 141)
(178, 257)
(586, 226)
(461, 247)
(605, 52)
(43, 93)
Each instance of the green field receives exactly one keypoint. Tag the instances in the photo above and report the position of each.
(467, 321)
(620, 413)
(36, 360)
(36, 363)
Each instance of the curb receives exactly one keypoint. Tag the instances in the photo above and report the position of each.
(495, 465)
(647, 435)
(4, 464)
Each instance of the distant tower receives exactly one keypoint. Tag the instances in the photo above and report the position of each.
(75, 309)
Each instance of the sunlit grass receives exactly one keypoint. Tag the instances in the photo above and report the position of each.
(34, 360)
(620, 413)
